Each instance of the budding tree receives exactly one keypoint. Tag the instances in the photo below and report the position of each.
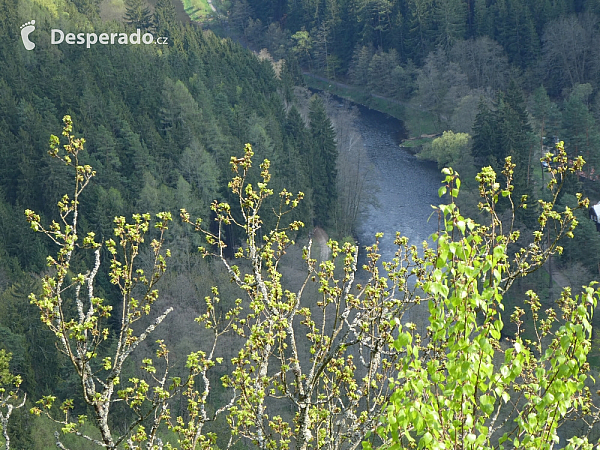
(460, 385)
(333, 363)
(71, 310)
(9, 395)
(334, 394)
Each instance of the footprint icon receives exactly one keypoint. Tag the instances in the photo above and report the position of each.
(26, 30)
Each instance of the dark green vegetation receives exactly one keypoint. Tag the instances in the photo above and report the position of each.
(443, 56)
(161, 124)
(393, 38)
(515, 75)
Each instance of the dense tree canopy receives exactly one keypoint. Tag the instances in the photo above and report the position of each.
(161, 122)
(358, 371)
(304, 357)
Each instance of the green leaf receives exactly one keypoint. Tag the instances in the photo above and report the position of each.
(402, 341)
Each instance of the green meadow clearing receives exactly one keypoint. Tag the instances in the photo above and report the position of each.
(197, 9)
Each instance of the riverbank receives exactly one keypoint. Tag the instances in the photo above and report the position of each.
(418, 121)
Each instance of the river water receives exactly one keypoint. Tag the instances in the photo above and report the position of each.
(406, 189)
(406, 186)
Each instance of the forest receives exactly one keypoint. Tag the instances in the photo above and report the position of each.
(159, 129)
(474, 80)
(161, 126)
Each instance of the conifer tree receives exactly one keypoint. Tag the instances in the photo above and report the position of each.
(516, 128)
(483, 24)
(450, 17)
(165, 16)
(292, 161)
(322, 161)
(502, 133)
(88, 7)
(580, 128)
(546, 116)
(515, 31)
(138, 14)
(297, 149)
(485, 136)
(516, 137)
(421, 27)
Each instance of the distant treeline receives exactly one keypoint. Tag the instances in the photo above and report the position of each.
(554, 41)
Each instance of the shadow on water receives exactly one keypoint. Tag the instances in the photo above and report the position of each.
(404, 188)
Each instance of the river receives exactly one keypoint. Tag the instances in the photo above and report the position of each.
(406, 186)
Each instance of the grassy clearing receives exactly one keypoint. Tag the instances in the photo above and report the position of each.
(357, 96)
(345, 92)
(413, 143)
(391, 108)
(197, 9)
(417, 122)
